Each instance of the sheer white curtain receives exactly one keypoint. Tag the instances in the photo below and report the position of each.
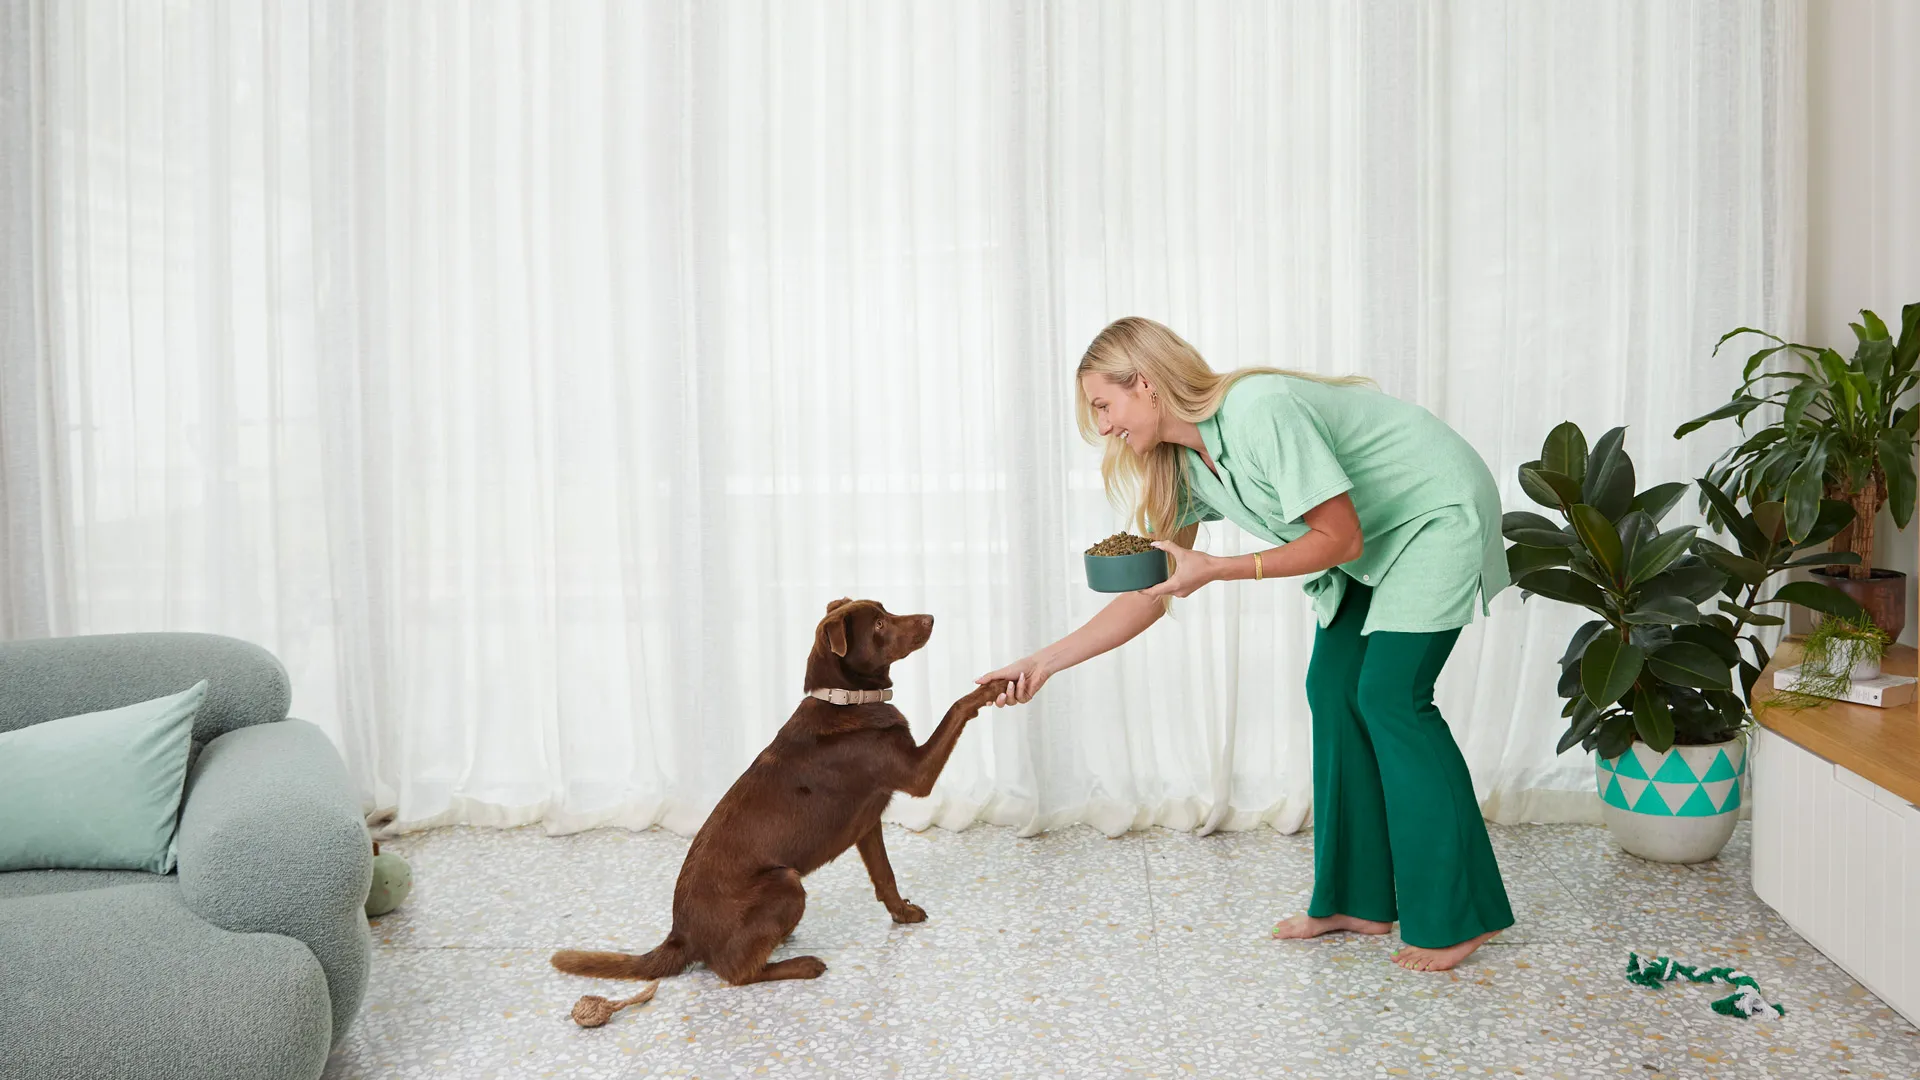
(529, 377)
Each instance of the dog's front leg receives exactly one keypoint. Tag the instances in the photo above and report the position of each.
(931, 757)
(873, 852)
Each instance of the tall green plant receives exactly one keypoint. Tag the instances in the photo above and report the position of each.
(1841, 433)
(1766, 551)
(1652, 666)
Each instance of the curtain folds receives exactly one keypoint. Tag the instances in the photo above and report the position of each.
(528, 377)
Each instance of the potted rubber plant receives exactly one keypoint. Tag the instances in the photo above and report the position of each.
(1649, 683)
(1841, 434)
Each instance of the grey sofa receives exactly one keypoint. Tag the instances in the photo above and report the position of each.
(250, 960)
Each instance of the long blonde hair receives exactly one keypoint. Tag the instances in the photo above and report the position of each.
(1149, 485)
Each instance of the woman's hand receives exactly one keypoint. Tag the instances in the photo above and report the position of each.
(1191, 569)
(1022, 680)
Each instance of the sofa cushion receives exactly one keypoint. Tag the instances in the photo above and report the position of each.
(98, 791)
(44, 882)
(126, 982)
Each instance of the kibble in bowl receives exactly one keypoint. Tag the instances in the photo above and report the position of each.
(1124, 563)
(1121, 544)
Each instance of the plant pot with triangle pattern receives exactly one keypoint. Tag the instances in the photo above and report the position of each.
(1679, 806)
(1658, 683)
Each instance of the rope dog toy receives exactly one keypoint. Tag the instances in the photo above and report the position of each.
(1745, 1001)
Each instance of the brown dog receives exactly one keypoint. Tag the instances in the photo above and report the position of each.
(817, 790)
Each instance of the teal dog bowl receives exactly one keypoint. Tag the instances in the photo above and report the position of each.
(1126, 573)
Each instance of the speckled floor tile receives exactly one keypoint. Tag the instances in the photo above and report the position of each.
(481, 1013)
(1534, 1010)
(1068, 882)
(520, 888)
(1620, 899)
(918, 1008)
(1072, 955)
(1237, 885)
(986, 1007)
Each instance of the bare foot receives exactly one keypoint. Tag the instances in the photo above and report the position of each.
(1306, 926)
(1414, 958)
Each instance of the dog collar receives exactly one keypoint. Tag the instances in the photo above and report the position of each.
(850, 697)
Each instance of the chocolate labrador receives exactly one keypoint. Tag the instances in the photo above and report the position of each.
(817, 790)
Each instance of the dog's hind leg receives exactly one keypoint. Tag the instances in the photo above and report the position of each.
(873, 852)
(775, 909)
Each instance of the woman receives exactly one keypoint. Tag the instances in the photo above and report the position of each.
(1398, 519)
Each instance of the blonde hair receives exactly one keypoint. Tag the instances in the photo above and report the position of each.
(1187, 388)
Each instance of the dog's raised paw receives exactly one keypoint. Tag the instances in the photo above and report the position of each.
(910, 913)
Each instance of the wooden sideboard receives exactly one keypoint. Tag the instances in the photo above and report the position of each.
(1836, 828)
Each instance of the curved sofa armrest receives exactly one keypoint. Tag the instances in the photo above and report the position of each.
(272, 840)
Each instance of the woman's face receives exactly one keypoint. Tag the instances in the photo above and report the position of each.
(1130, 414)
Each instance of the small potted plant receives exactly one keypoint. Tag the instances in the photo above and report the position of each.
(1649, 683)
(1839, 653)
(1841, 434)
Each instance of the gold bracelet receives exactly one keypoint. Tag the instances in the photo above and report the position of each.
(1256, 566)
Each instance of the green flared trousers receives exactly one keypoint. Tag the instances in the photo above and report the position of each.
(1397, 833)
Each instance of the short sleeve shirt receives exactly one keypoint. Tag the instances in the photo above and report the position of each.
(1286, 445)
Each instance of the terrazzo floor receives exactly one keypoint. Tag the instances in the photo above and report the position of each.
(1074, 955)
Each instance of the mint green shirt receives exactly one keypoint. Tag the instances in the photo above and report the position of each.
(1286, 445)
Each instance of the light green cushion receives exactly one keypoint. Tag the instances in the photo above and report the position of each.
(100, 791)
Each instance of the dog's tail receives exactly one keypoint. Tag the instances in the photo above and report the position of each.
(668, 958)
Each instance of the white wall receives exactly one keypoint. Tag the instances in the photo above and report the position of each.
(1863, 191)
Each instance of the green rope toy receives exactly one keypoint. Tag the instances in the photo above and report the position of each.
(1744, 1001)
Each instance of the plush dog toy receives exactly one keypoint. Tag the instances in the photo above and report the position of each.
(594, 1010)
(392, 877)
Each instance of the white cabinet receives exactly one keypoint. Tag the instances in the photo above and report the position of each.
(1839, 858)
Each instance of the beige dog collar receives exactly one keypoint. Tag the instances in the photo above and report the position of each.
(851, 697)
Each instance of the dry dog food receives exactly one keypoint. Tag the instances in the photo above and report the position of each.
(1121, 544)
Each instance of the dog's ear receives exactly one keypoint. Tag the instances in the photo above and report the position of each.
(837, 635)
(837, 628)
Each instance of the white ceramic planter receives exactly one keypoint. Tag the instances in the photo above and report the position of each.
(1854, 656)
(1676, 807)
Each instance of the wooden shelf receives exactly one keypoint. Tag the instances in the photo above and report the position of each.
(1882, 745)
